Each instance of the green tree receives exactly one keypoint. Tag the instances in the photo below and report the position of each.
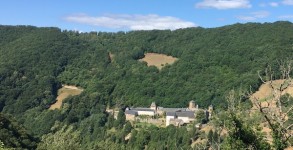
(110, 121)
(120, 121)
(65, 138)
(201, 116)
(210, 137)
(127, 127)
(275, 117)
(241, 134)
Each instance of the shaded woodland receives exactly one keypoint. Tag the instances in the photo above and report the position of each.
(35, 62)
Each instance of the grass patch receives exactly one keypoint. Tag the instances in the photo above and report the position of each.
(158, 60)
(63, 93)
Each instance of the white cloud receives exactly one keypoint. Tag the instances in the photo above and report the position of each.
(246, 18)
(286, 17)
(132, 22)
(254, 16)
(287, 2)
(224, 4)
(260, 14)
(274, 4)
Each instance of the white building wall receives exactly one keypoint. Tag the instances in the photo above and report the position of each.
(168, 119)
(148, 113)
(185, 119)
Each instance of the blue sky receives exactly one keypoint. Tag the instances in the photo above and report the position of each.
(125, 15)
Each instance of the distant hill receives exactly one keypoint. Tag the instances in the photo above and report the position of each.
(35, 62)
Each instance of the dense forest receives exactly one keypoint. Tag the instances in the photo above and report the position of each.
(35, 62)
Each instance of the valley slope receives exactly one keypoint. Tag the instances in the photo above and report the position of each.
(35, 62)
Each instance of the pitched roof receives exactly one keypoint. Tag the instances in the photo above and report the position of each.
(170, 114)
(189, 114)
(142, 109)
(131, 112)
(172, 109)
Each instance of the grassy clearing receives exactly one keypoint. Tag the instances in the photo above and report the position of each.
(267, 99)
(63, 93)
(264, 94)
(158, 60)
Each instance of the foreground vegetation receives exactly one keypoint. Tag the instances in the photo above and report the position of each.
(35, 62)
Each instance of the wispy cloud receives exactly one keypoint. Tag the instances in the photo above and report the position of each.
(286, 17)
(246, 18)
(224, 4)
(274, 4)
(287, 2)
(254, 16)
(132, 22)
(260, 14)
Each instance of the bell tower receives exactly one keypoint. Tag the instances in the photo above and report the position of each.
(192, 105)
(153, 106)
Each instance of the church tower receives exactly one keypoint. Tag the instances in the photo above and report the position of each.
(153, 106)
(192, 105)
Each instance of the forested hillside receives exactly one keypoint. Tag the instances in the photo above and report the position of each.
(35, 62)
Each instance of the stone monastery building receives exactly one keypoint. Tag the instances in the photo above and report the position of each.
(175, 116)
